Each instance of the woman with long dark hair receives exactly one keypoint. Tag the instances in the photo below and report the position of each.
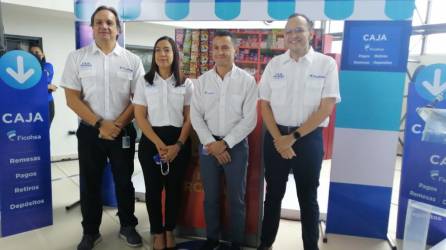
(162, 99)
(48, 72)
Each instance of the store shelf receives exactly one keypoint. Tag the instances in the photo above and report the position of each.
(246, 62)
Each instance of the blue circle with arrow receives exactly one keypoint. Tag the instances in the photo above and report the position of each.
(430, 81)
(20, 69)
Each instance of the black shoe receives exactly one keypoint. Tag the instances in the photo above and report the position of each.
(89, 241)
(261, 247)
(130, 235)
(235, 246)
(210, 244)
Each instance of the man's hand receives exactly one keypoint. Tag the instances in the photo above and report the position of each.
(283, 143)
(216, 148)
(223, 158)
(288, 153)
(108, 130)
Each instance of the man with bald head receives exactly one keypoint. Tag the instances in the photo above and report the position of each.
(298, 92)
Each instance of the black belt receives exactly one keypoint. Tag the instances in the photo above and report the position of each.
(86, 123)
(287, 129)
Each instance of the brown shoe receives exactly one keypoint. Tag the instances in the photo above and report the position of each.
(159, 242)
(170, 240)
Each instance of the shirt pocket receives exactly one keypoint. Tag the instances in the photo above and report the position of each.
(236, 103)
(153, 96)
(124, 78)
(313, 92)
(278, 92)
(176, 97)
(88, 80)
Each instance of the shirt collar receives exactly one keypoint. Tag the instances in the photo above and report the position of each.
(117, 50)
(307, 57)
(230, 74)
(159, 78)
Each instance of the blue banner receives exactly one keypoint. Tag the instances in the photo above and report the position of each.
(25, 173)
(423, 176)
(376, 46)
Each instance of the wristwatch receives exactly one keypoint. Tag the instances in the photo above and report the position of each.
(296, 135)
(97, 125)
(180, 144)
(226, 144)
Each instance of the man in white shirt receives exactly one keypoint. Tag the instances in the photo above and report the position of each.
(223, 113)
(298, 92)
(99, 81)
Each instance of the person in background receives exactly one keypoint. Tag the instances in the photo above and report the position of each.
(298, 92)
(162, 103)
(223, 113)
(99, 82)
(48, 72)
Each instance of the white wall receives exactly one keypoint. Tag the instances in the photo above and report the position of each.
(57, 31)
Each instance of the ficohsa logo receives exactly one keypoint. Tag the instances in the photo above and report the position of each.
(13, 136)
(10, 118)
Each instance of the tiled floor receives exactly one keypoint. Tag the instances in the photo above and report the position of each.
(66, 231)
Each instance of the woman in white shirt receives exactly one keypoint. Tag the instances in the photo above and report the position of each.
(161, 100)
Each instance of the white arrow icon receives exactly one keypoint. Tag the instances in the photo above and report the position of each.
(437, 87)
(20, 75)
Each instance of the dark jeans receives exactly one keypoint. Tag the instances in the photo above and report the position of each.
(306, 168)
(155, 182)
(235, 177)
(93, 154)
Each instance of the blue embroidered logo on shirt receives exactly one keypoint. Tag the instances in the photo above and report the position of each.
(86, 65)
(278, 76)
(126, 69)
(317, 76)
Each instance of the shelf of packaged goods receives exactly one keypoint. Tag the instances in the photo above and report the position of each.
(246, 62)
(274, 49)
(247, 47)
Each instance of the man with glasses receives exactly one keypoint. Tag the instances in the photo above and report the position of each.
(298, 92)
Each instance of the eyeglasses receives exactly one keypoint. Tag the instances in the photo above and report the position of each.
(297, 30)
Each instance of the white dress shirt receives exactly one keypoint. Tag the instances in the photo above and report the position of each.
(295, 88)
(225, 108)
(165, 102)
(106, 82)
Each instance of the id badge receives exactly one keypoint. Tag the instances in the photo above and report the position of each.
(126, 141)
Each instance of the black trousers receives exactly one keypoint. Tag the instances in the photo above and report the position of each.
(155, 182)
(93, 154)
(306, 168)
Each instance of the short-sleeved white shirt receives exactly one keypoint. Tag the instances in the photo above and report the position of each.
(165, 102)
(106, 82)
(295, 88)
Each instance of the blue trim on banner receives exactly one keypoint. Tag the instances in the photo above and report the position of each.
(227, 9)
(339, 9)
(177, 9)
(399, 9)
(281, 9)
(358, 210)
(370, 100)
